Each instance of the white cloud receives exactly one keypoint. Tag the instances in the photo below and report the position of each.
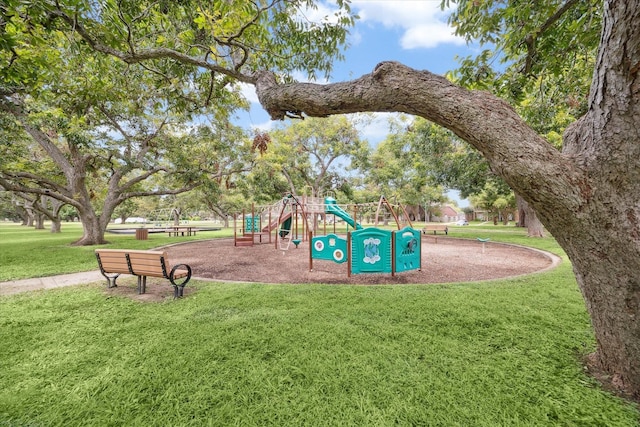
(321, 13)
(264, 127)
(249, 92)
(423, 23)
(374, 127)
(428, 36)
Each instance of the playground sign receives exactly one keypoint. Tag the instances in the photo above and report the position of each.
(370, 251)
(407, 249)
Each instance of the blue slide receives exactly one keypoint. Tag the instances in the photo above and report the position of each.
(331, 207)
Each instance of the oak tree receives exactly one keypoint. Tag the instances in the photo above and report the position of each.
(587, 195)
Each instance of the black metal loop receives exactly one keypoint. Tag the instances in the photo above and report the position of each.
(187, 278)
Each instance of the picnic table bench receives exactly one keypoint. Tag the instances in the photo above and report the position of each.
(143, 264)
(435, 228)
(175, 230)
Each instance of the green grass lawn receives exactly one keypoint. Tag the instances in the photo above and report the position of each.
(25, 252)
(500, 353)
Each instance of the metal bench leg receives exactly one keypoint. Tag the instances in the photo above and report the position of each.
(178, 291)
(111, 280)
(142, 284)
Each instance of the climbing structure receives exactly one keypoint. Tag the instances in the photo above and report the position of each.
(292, 218)
(284, 222)
(369, 250)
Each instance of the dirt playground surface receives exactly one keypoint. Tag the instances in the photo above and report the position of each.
(443, 260)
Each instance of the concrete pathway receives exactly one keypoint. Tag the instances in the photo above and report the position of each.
(17, 286)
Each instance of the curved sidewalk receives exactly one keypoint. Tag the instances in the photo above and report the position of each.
(18, 286)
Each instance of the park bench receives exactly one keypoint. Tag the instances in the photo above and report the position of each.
(143, 264)
(435, 228)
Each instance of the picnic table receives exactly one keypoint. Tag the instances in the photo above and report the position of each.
(181, 230)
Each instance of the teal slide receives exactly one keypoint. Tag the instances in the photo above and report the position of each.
(331, 207)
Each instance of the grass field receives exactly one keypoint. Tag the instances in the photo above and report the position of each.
(25, 252)
(500, 353)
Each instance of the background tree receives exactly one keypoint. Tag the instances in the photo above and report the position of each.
(126, 210)
(266, 182)
(453, 163)
(8, 209)
(42, 208)
(402, 174)
(500, 204)
(221, 202)
(318, 154)
(103, 127)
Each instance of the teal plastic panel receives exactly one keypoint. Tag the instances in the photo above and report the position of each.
(330, 248)
(251, 221)
(371, 251)
(408, 249)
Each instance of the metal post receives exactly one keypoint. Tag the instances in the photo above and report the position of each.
(310, 251)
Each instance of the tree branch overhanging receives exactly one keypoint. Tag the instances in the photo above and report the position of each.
(485, 121)
(180, 190)
(530, 40)
(54, 193)
(141, 55)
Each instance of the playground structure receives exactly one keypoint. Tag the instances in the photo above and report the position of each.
(284, 222)
(367, 250)
(290, 218)
(370, 250)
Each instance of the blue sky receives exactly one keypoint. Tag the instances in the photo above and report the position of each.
(413, 32)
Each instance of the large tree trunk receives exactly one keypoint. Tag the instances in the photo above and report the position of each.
(95, 226)
(40, 217)
(588, 196)
(55, 208)
(93, 230)
(522, 207)
(527, 217)
(604, 240)
(175, 213)
(24, 215)
(56, 225)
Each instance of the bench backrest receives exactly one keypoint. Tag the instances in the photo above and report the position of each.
(139, 263)
(113, 261)
(149, 263)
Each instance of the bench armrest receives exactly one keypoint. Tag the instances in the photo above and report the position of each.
(179, 287)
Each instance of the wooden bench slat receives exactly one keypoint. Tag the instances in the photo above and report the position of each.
(140, 270)
(115, 268)
(148, 264)
(178, 274)
(114, 262)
